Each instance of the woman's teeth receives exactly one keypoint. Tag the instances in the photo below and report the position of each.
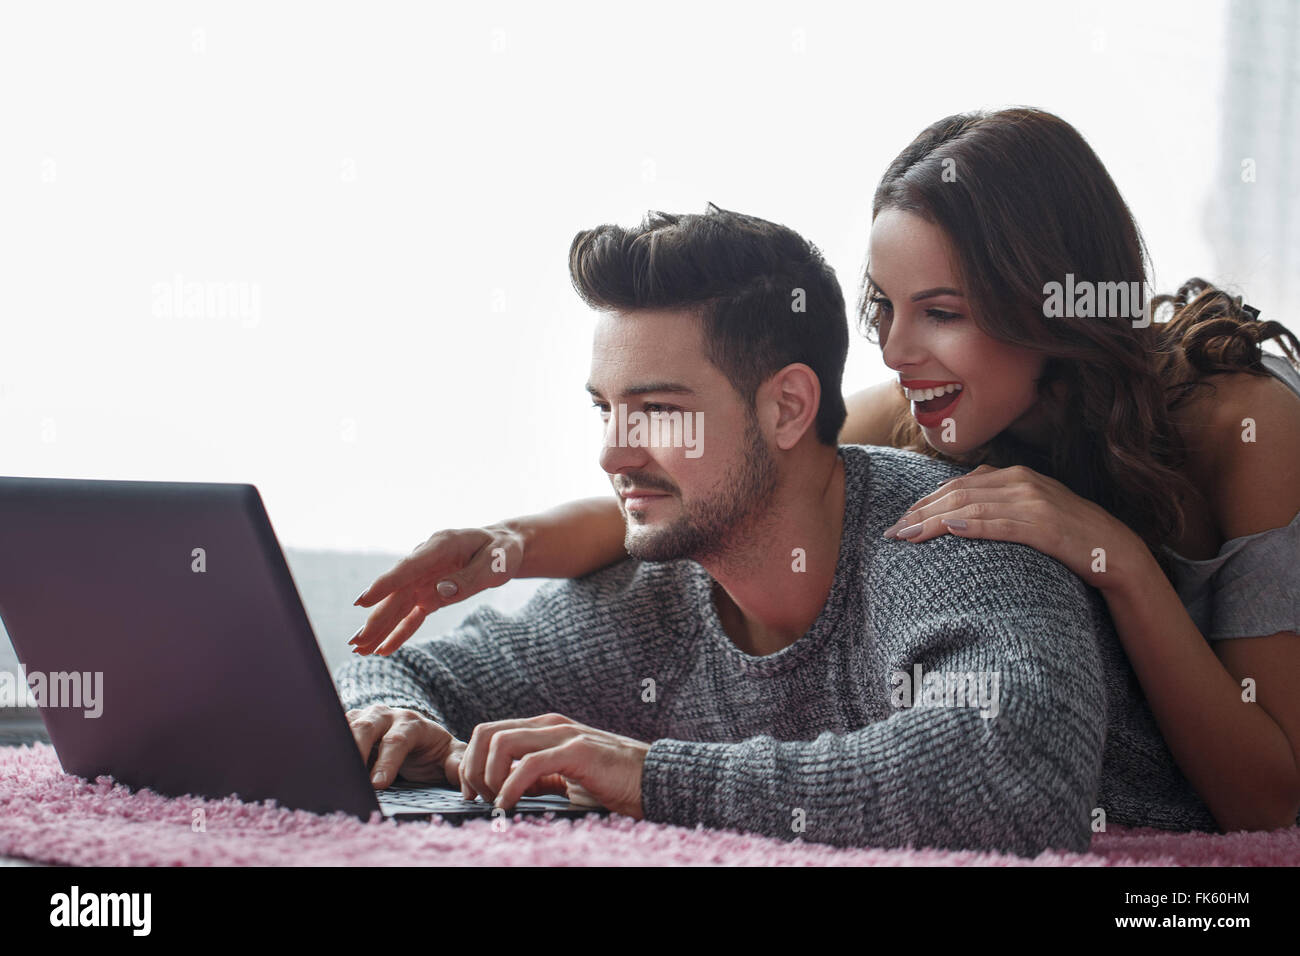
(925, 394)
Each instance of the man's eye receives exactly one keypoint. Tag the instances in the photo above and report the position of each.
(651, 407)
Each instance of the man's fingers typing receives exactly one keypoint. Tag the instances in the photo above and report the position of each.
(509, 745)
(368, 727)
(474, 764)
(393, 750)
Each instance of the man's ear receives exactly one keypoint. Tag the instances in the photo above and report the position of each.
(791, 399)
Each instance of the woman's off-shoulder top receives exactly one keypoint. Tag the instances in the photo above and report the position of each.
(1251, 588)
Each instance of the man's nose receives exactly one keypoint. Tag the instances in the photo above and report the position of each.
(616, 454)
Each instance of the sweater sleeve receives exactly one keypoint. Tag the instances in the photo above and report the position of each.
(575, 648)
(474, 673)
(929, 775)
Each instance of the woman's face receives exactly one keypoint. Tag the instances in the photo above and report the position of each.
(981, 386)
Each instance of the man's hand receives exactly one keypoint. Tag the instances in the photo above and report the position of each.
(597, 766)
(408, 743)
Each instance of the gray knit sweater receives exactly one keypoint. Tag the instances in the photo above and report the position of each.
(819, 740)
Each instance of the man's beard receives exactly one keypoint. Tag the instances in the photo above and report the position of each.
(706, 528)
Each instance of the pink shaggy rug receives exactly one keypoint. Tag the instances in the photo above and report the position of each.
(49, 816)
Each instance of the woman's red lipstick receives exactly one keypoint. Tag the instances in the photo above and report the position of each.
(931, 413)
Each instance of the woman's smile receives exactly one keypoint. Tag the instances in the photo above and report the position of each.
(932, 401)
(931, 413)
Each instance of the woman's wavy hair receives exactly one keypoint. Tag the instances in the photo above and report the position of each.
(1025, 201)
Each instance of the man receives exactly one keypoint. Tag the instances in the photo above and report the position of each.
(770, 662)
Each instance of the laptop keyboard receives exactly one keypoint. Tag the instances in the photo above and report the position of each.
(426, 798)
(441, 799)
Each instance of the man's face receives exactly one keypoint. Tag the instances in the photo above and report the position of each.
(677, 501)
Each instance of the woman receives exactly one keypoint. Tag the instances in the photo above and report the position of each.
(1159, 461)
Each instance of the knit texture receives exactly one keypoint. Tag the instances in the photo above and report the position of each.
(811, 742)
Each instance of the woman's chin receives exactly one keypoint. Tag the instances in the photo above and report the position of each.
(934, 438)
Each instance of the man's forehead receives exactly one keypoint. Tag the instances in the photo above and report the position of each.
(632, 352)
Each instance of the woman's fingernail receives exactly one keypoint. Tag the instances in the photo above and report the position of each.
(902, 522)
(379, 777)
(954, 522)
(908, 532)
(354, 637)
(359, 597)
(447, 588)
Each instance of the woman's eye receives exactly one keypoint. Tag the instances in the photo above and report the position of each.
(604, 409)
(886, 308)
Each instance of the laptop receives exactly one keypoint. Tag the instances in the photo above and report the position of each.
(177, 654)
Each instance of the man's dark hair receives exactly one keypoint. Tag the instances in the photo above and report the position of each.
(765, 295)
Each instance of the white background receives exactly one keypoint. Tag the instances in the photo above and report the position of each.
(399, 183)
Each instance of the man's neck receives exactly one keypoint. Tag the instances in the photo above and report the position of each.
(770, 587)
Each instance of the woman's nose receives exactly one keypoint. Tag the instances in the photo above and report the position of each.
(902, 346)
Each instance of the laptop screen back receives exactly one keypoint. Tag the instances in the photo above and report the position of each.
(173, 643)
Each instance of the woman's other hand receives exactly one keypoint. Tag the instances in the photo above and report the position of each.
(1019, 504)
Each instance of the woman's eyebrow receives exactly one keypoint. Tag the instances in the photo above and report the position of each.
(924, 293)
(938, 290)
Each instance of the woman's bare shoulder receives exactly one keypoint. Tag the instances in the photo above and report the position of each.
(872, 414)
(1243, 445)
(1234, 402)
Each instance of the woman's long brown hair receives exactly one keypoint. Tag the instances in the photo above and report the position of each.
(1025, 201)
